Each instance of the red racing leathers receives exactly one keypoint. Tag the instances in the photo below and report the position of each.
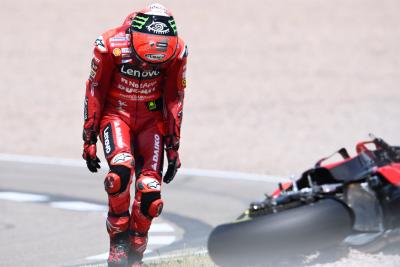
(134, 109)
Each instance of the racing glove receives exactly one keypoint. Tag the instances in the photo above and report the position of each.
(174, 163)
(90, 150)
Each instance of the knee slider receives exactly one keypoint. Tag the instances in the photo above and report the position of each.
(151, 203)
(117, 180)
(156, 207)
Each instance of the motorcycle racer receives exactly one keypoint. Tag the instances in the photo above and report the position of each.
(134, 104)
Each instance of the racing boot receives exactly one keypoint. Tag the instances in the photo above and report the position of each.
(138, 243)
(119, 248)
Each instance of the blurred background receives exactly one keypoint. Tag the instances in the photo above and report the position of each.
(273, 86)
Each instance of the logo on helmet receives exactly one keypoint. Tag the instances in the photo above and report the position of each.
(154, 24)
(158, 27)
(162, 45)
(154, 56)
(139, 21)
(157, 9)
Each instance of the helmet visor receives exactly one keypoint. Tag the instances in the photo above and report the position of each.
(154, 38)
(154, 24)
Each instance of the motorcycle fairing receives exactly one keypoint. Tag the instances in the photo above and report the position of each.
(354, 169)
(391, 173)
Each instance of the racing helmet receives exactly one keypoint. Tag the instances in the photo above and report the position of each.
(154, 35)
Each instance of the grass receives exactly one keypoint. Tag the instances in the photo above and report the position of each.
(188, 258)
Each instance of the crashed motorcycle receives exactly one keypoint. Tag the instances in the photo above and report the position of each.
(353, 202)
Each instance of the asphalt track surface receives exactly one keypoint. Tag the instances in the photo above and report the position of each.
(54, 214)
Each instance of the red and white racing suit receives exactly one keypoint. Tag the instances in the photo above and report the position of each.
(133, 109)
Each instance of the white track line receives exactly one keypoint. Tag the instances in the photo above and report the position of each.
(98, 257)
(230, 175)
(178, 254)
(67, 205)
(153, 241)
(23, 197)
(161, 228)
(161, 240)
(42, 160)
(78, 206)
(183, 171)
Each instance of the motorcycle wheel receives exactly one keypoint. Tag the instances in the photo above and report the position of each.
(276, 238)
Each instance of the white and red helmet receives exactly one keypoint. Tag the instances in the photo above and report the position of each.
(154, 34)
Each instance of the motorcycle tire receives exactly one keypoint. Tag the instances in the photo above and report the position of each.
(274, 238)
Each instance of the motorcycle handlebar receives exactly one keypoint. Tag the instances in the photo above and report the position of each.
(393, 153)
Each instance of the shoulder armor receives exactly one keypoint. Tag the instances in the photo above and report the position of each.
(100, 44)
(183, 51)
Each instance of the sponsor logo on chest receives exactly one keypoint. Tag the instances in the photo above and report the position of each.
(131, 71)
